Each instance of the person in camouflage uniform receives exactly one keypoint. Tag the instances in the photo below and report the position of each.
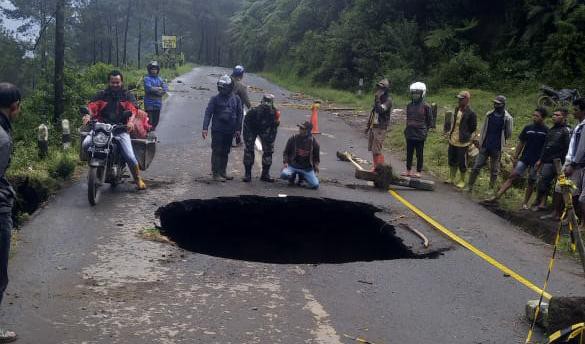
(261, 122)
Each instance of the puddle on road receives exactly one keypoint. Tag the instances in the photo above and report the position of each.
(291, 230)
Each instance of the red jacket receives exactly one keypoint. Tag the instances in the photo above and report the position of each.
(108, 106)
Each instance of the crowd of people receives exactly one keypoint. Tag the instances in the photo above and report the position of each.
(534, 155)
(225, 115)
(538, 147)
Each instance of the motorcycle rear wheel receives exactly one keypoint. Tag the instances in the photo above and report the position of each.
(93, 185)
(546, 101)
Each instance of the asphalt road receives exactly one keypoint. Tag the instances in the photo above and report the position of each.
(84, 274)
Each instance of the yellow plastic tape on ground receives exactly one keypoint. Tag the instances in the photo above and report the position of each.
(470, 247)
(572, 332)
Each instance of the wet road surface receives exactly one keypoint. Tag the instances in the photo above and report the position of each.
(84, 274)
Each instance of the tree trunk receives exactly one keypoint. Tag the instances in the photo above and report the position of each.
(110, 42)
(124, 61)
(59, 106)
(156, 34)
(140, 43)
(117, 47)
(201, 45)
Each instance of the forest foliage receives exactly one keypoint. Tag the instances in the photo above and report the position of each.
(459, 43)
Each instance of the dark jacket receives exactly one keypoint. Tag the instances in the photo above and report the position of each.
(467, 127)
(261, 117)
(226, 112)
(108, 106)
(506, 132)
(302, 152)
(241, 91)
(7, 194)
(382, 110)
(419, 118)
(556, 144)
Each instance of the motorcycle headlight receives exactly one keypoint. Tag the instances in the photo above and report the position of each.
(100, 139)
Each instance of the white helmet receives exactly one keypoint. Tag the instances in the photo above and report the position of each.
(419, 86)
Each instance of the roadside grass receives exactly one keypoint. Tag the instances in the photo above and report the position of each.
(36, 178)
(521, 105)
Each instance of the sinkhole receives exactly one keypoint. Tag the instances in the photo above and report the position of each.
(287, 230)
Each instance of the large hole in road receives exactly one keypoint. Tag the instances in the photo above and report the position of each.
(291, 230)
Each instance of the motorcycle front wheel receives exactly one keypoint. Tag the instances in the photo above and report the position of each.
(93, 185)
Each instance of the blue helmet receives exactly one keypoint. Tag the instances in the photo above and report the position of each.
(238, 71)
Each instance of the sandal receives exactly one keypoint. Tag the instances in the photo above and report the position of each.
(405, 174)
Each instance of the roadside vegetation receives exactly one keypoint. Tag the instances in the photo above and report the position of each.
(520, 105)
(491, 48)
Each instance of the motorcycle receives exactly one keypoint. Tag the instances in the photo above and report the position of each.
(556, 99)
(106, 164)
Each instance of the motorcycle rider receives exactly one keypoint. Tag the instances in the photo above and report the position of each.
(241, 91)
(155, 89)
(225, 113)
(262, 121)
(110, 106)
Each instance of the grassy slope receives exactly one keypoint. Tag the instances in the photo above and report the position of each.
(520, 106)
(45, 175)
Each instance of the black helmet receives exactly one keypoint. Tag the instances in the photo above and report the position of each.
(268, 99)
(225, 85)
(153, 65)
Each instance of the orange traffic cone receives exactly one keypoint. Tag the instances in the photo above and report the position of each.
(315, 117)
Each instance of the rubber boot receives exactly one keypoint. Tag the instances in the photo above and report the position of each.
(248, 174)
(223, 170)
(472, 179)
(215, 167)
(135, 171)
(380, 160)
(493, 180)
(265, 177)
(452, 175)
(461, 182)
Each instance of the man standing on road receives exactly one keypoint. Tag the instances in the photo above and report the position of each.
(527, 153)
(262, 121)
(154, 90)
(556, 146)
(9, 108)
(462, 128)
(225, 109)
(301, 157)
(419, 119)
(575, 161)
(379, 121)
(496, 130)
(241, 91)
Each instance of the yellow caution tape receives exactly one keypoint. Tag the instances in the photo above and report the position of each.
(572, 332)
(551, 264)
(470, 247)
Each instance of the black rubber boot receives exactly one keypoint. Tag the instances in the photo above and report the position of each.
(248, 176)
(215, 167)
(266, 174)
(472, 178)
(223, 170)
